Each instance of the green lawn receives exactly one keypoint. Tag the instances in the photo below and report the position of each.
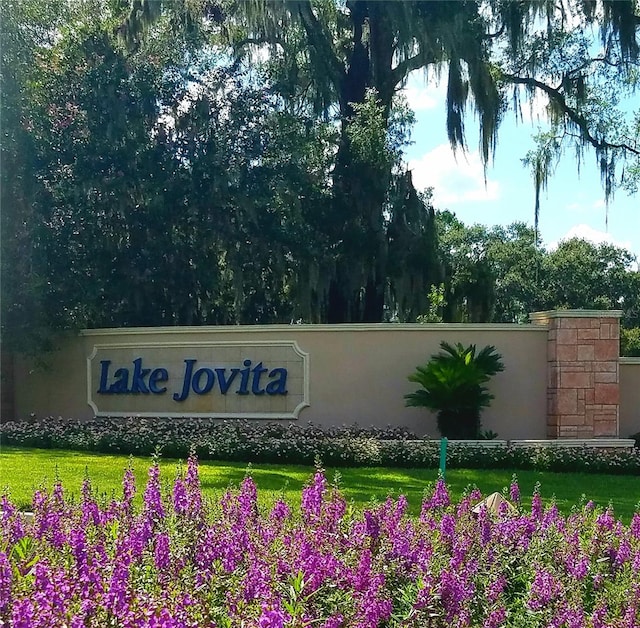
(23, 470)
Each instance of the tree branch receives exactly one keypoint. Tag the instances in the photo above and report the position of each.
(577, 119)
(409, 65)
(589, 62)
(319, 40)
(498, 33)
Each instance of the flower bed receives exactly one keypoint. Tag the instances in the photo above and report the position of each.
(298, 444)
(181, 561)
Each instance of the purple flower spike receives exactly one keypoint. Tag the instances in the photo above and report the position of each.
(312, 496)
(514, 491)
(180, 497)
(152, 497)
(5, 583)
(128, 490)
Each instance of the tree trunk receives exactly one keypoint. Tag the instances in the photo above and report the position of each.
(357, 289)
(356, 292)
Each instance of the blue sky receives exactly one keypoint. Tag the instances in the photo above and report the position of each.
(572, 205)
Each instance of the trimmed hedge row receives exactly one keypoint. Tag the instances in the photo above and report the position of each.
(297, 444)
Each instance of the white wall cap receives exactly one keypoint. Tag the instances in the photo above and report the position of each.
(305, 328)
(576, 442)
(535, 316)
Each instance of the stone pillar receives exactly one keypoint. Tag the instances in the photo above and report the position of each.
(583, 392)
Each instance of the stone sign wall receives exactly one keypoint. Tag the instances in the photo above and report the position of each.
(563, 377)
(217, 379)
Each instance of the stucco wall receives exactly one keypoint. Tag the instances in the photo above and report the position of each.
(357, 373)
(629, 396)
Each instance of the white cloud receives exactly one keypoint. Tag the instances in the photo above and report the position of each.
(425, 91)
(587, 232)
(424, 98)
(454, 180)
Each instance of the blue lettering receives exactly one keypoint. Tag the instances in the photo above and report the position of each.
(249, 379)
(104, 376)
(138, 384)
(121, 384)
(158, 376)
(197, 377)
(186, 381)
(257, 371)
(244, 382)
(223, 382)
(277, 386)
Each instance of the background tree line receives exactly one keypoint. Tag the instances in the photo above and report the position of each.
(502, 274)
(202, 162)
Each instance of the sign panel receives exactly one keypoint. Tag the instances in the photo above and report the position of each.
(242, 380)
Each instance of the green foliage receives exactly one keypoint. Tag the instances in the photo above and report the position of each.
(345, 62)
(158, 168)
(502, 274)
(590, 95)
(452, 385)
(244, 441)
(630, 342)
(581, 274)
(437, 302)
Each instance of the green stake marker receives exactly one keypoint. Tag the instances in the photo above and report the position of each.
(443, 455)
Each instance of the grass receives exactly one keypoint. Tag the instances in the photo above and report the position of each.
(24, 470)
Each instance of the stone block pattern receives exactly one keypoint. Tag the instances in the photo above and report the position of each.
(583, 393)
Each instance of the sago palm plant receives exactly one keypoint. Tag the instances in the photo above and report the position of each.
(453, 386)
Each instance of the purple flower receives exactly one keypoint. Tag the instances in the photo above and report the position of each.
(280, 511)
(90, 510)
(152, 496)
(599, 617)
(372, 524)
(495, 589)
(116, 598)
(161, 554)
(624, 552)
(11, 524)
(5, 583)
(448, 527)
(335, 621)
(536, 504)
(180, 498)
(83, 566)
(606, 520)
(544, 588)
(248, 499)
(192, 481)
(439, 499)
(128, 489)
(496, 618)
(22, 614)
(455, 591)
(580, 568)
(272, 617)
(312, 496)
(514, 491)
(635, 567)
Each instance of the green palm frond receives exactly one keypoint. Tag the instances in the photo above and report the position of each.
(452, 384)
